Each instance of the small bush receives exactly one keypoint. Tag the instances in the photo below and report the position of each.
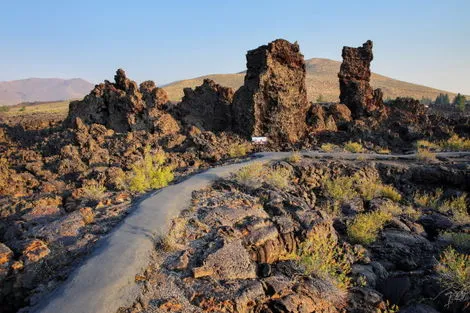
(87, 215)
(365, 227)
(250, 175)
(371, 188)
(354, 147)
(328, 147)
(278, 177)
(412, 213)
(426, 145)
(426, 155)
(295, 157)
(22, 109)
(455, 143)
(454, 275)
(428, 200)
(460, 241)
(4, 108)
(320, 254)
(340, 188)
(150, 173)
(94, 191)
(383, 151)
(238, 150)
(458, 207)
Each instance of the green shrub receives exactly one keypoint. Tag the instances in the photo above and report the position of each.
(460, 241)
(250, 175)
(365, 227)
(371, 188)
(4, 108)
(94, 191)
(277, 177)
(237, 150)
(454, 275)
(354, 147)
(428, 200)
(340, 188)
(150, 173)
(328, 147)
(320, 254)
(455, 143)
(425, 154)
(295, 157)
(458, 207)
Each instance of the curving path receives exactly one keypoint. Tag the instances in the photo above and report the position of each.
(105, 281)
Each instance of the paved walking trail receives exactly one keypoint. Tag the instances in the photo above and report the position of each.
(105, 281)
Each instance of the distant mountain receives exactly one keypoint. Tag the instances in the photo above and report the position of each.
(42, 89)
(322, 79)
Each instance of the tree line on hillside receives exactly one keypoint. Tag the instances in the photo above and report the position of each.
(443, 100)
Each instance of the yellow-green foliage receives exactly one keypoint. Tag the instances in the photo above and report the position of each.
(328, 147)
(371, 188)
(250, 175)
(387, 307)
(94, 191)
(254, 174)
(321, 255)
(365, 227)
(412, 213)
(425, 154)
(455, 143)
(454, 275)
(87, 215)
(428, 200)
(354, 147)
(460, 241)
(383, 151)
(277, 177)
(150, 173)
(340, 188)
(458, 207)
(426, 145)
(239, 149)
(295, 157)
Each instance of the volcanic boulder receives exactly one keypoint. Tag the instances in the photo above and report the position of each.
(273, 100)
(121, 106)
(354, 83)
(207, 106)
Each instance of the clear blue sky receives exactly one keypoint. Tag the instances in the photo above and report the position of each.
(426, 42)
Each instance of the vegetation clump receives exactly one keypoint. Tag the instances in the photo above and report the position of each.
(328, 147)
(239, 149)
(94, 191)
(455, 143)
(254, 174)
(454, 275)
(428, 200)
(321, 255)
(365, 227)
(371, 188)
(150, 172)
(354, 147)
(340, 188)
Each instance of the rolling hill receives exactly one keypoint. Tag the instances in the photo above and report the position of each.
(322, 79)
(42, 89)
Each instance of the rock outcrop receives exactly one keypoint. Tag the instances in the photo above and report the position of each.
(354, 82)
(273, 100)
(208, 106)
(122, 106)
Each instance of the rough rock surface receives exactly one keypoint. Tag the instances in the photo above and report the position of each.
(208, 106)
(354, 82)
(121, 106)
(273, 100)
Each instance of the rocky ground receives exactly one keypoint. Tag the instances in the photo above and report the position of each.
(64, 183)
(290, 243)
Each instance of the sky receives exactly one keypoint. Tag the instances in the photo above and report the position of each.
(420, 41)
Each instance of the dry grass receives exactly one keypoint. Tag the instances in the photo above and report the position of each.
(426, 155)
(454, 275)
(87, 215)
(328, 147)
(353, 147)
(60, 108)
(365, 227)
(340, 188)
(254, 174)
(237, 150)
(295, 157)
(458, 208)
(455, 143)
(428, 200)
